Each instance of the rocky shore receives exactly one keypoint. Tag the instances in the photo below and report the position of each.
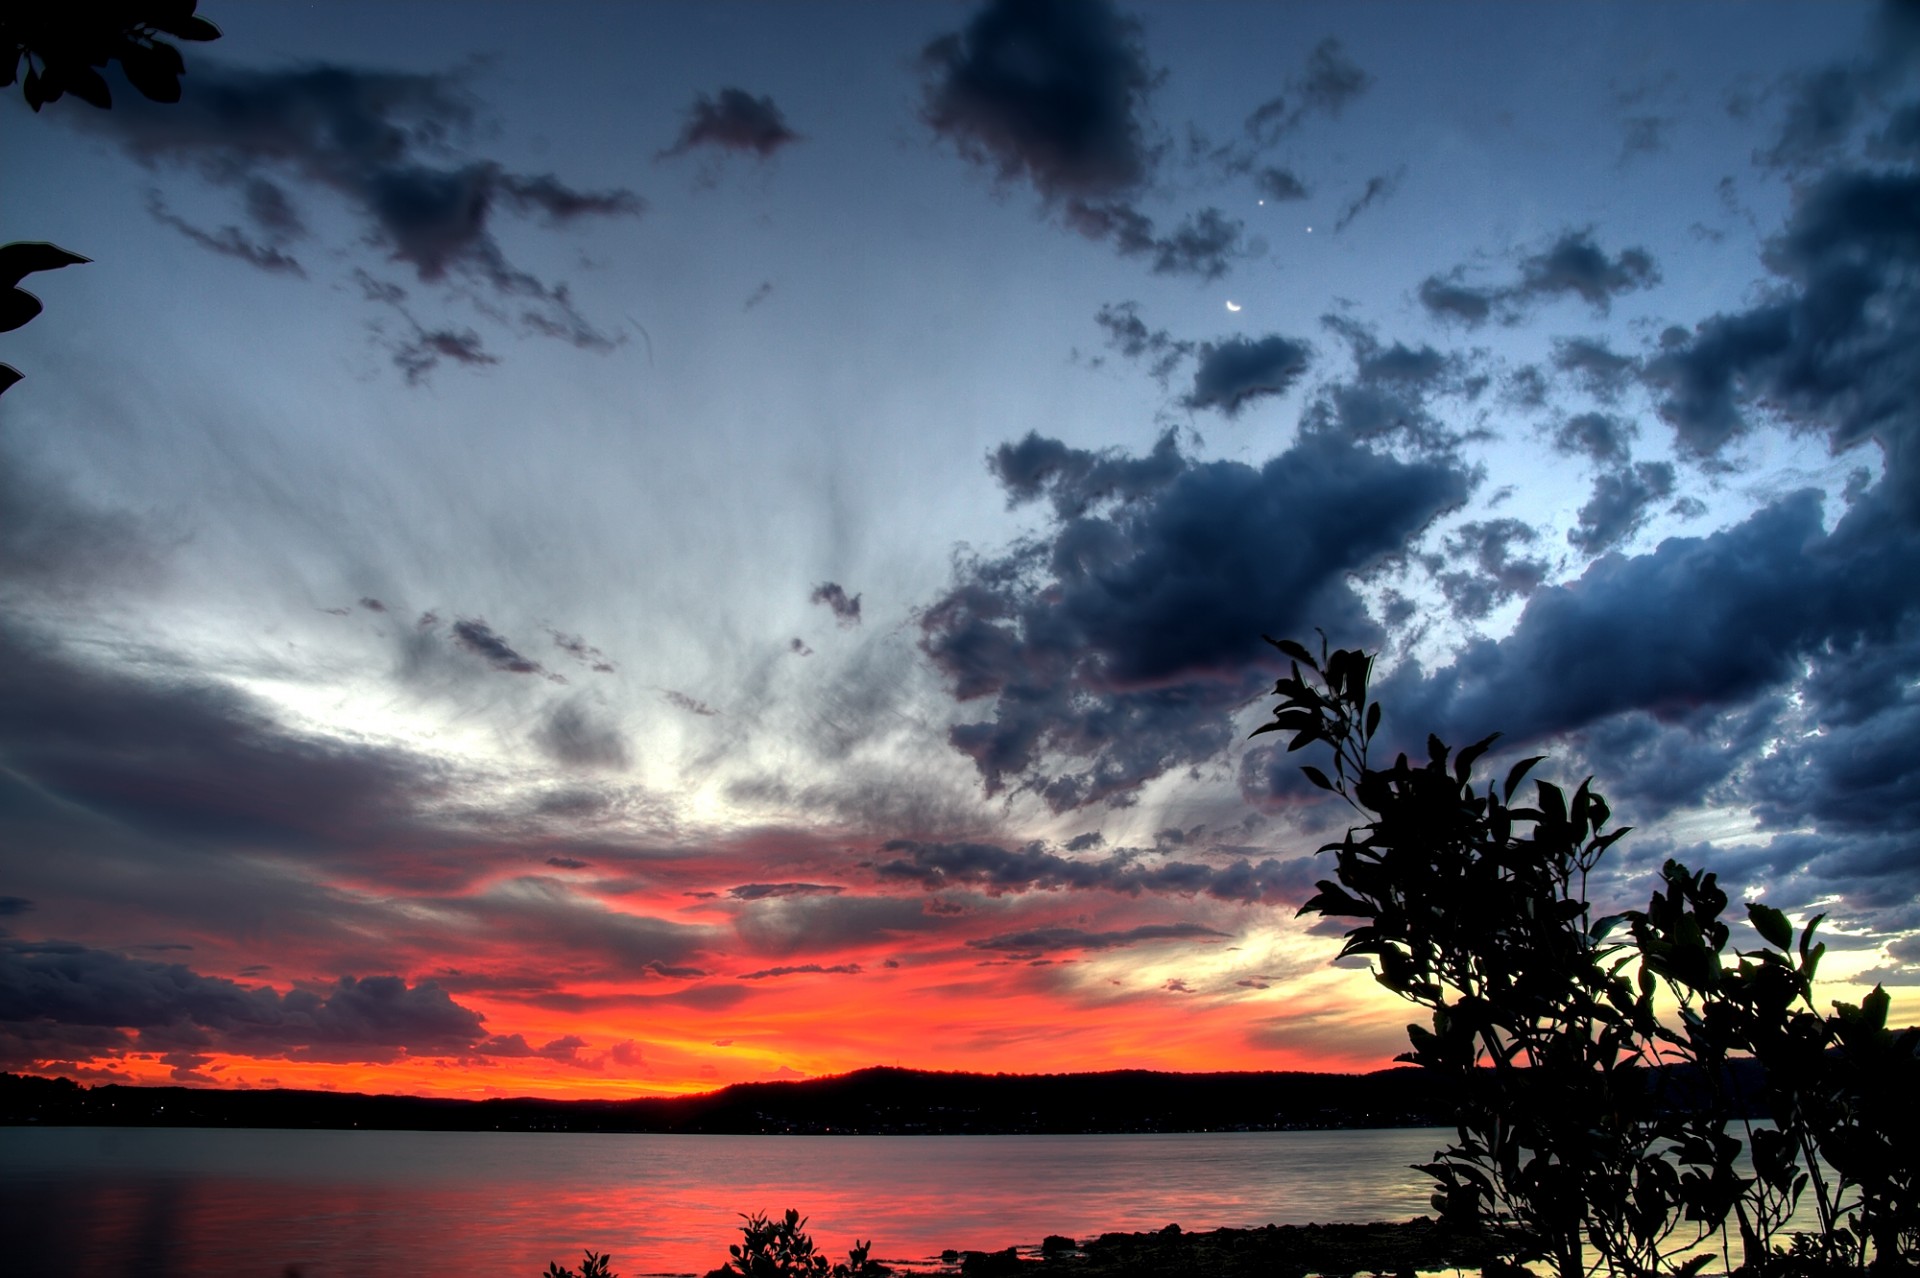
(1274, 1251)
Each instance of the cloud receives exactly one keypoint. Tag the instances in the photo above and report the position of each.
(692, 705)
(420, 354)
(1379, 187)
(734, 121)
(190, 757)
(229, 241)
(1497, 574)
(1204, 245)
(1076, 478)
(836, 969)
(1387, 396)
(1034, 942)
(1619, 505)
(1231, 374)
(1033, 868)
(1128, 334)
(52, 988)
(1053, 93)
(477, 637)
(845, 608)
(1599, 436)
(779, 891)
(381, 142)
(1275, 183)
(1119, 644)
(1836, 348)
(1573, 265)
(1594, 365)
(1332, 81)
(573, 734)
(1698, 622)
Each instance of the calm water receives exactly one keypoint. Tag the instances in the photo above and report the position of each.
(151, 1203)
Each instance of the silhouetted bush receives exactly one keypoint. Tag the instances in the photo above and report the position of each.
(1547, 1026)
(591, 1267)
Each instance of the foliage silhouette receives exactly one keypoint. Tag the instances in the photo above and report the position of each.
(63, 45)
(591, 1267)
(1546, 1025)
(782, 1249)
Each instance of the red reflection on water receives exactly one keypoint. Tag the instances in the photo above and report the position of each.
(227, 1204)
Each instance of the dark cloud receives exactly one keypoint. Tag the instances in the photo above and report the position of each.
(1034, 942)
(1619, 505)
(845, 607)
(1332, 80)
(1054, 93)
(1835, 349)
(1050, 91)
(228, 241)
(1229, 375)
(1572, 265)
(798, 647)
(836, 969)
(1900, 138)
(420, 354)
(1119, 644)
(1495, 574)
(1387, 397)
(734, 121)
(1379, 187)
(188, 757)
(50, 988)
(567, 863)
(1600, 436)
(1075, 478)
(582, 651)
(477, 637)
(1204, 245)
(1594, 365)
(1697, 622)
(11, 905)
(997, 870)
(692, 705)
(1128, 334)
(1275, 183)
(574, 734)
(380, 141)
(779, 891)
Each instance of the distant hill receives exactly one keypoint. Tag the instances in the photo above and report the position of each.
(880, 1101)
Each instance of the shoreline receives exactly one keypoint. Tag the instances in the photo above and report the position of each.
(1401, 1248)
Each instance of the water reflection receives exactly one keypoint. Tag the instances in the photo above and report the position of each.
(249, 1204)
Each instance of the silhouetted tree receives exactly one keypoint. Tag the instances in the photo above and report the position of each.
(62, 47)
(1548, 1027)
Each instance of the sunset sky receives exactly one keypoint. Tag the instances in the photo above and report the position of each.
(613, 549)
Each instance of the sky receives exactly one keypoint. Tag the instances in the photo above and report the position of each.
(603, 550)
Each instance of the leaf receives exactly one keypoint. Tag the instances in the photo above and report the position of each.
(9, 375)
(1771, 924)
(1318, 777)
(1373, 718)
(1297, 651)
(23, 257)
(17, 306)
(156, 82)
(1517, 774)
(1463, 766)
(85, 83)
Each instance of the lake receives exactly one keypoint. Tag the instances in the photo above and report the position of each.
(221, 1203)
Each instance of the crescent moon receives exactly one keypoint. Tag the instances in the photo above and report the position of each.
(1233, 306)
